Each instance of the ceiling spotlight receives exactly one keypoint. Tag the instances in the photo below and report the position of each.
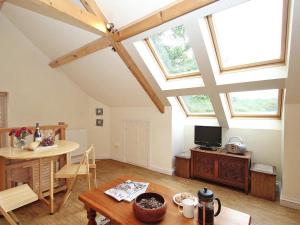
(110, 27)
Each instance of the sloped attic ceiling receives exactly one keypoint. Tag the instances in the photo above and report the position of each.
(102, 75)
(122, 13)
(115, 77)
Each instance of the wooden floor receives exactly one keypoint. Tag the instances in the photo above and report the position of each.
(263, 212)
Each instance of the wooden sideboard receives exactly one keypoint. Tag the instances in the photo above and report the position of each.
(221, 167)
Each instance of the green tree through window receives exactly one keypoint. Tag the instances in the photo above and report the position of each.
(255, 102)
(174, 51)
(198, 104)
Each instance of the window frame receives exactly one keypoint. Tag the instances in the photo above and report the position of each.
(189, 114)
(274, 62)
(237, 115)
(161, 65)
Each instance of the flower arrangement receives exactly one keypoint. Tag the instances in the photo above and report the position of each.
(20, 135)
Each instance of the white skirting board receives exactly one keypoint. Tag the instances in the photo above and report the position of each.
(291, 203)
(161, 170)
(151, 167)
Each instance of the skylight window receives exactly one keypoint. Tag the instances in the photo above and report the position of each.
(250, 34)
(197, 105)
(265, 103)
(173, 53)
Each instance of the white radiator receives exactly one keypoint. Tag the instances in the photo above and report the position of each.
(79, 136)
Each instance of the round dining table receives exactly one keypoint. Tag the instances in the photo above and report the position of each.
(61, 147)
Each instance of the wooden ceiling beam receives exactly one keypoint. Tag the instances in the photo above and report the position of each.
(92, 7)
(168, 13)
(81, 52)
(101, 43)
(179, 8)
(65, 11)
(127, 59)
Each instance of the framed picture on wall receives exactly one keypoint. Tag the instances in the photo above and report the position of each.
(99, 122)
(99, 111)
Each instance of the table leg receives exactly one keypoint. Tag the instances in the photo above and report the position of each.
(68, 158)
(2, 174)
(91, 215)
(40, 179)
(246, 188)
(51, 196)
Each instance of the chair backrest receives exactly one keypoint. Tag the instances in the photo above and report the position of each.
(88, 159)
(89, 156)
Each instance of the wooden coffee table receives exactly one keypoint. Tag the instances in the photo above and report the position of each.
(122, 213)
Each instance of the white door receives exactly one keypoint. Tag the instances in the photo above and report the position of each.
(136, 142)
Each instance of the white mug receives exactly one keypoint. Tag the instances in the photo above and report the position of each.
(187, 208)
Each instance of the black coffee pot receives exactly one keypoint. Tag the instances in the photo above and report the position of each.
(206, 212)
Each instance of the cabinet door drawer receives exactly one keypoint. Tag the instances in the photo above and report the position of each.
(203, 166)
(182, 167)
(232, 170)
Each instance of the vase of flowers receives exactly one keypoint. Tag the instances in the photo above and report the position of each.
(20, 135)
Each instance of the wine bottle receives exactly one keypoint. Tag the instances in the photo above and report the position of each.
(37, 134)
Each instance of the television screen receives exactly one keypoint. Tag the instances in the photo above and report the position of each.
(208, 136)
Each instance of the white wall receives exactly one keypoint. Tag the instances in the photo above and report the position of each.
(291, 155)
(290, 195)
(178, 119)
(160, 134)
(37, 93)
(96, 73)
(265, 144)
(99, 136)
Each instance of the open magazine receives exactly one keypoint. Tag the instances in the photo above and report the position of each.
(127, 191)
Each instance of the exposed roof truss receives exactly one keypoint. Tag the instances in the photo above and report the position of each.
(93, 20)
(65, 11)
(140, 30)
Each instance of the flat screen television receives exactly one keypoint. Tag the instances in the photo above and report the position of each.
(208, 137)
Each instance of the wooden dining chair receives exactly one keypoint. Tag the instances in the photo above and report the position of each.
(72, 171)
(14, 198)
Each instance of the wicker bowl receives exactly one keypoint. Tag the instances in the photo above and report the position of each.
(150, 215)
